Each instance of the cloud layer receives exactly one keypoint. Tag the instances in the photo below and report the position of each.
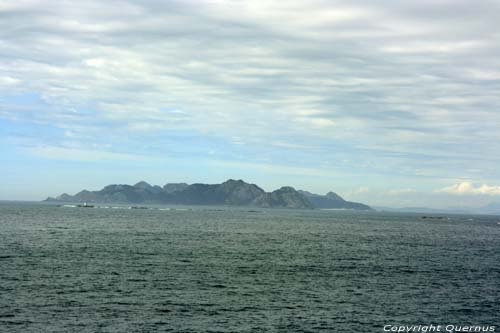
(466, 188)
(372, 89)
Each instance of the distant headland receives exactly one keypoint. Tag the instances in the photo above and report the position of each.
(231, 192)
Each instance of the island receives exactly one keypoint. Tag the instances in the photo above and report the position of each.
(231, 192)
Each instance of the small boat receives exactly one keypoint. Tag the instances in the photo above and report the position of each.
(85, 205)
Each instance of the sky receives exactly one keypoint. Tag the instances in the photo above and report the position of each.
(391, 103)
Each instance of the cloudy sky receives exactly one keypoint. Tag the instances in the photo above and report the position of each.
(386, 102)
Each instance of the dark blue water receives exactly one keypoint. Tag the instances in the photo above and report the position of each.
(229, 270)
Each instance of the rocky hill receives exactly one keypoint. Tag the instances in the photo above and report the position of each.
(333, 201)
(231, 192)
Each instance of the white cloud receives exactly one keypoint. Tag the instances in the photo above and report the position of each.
(290, 145)
(7, 80)
(464, 188)
(361, 190)
(401, 191)
(78, 154)
(422, 47)
(276, 169)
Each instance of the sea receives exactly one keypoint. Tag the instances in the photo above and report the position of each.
(220, 269)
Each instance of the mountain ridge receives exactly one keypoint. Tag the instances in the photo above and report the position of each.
(231, 192)
(333, 201)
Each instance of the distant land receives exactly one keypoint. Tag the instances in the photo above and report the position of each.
(231, 192)
(490, 209)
